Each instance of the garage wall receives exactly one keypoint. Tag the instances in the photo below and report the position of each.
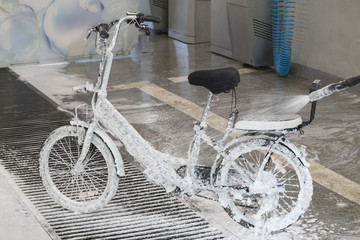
(42, 31)
(327, 37)
(326, 40)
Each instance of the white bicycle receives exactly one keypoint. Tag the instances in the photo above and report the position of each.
(260, 178)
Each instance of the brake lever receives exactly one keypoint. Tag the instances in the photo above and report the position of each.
(146, 28)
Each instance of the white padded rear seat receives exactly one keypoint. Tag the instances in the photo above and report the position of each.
(268, 122)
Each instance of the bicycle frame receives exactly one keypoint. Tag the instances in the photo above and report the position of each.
(159, 167)
(250, 173)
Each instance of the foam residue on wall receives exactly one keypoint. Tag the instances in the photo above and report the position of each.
(53, 30)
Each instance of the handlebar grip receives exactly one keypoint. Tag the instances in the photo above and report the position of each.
(153, 19)
(353, 81)
(333, 88)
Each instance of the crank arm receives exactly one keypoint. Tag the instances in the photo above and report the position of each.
(233, 190)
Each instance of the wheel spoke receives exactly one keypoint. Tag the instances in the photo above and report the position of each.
(287, 204)
(61, 159)
(95, 177)
(61, 146)
(71, 156)
(283, 167)
(241, 172)
(87, 191)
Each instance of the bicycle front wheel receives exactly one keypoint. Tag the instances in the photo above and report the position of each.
(82, 190)
(264, 186)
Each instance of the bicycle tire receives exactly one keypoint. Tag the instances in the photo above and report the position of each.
(82, 191)
(286, 179)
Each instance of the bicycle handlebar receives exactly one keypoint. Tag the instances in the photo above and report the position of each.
(150, 18)
(333, 88)
(138, 19)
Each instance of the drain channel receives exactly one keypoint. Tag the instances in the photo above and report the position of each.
(139, 210)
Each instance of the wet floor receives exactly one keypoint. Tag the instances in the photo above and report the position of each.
(332, 139)
(139, 210)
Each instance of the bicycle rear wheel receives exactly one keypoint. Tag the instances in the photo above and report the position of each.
(264, 191)
(82, 190)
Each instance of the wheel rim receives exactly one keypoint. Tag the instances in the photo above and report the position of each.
(84, 188)
(277, 201)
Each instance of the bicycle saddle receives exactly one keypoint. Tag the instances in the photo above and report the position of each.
(268, 122)
(217, 80)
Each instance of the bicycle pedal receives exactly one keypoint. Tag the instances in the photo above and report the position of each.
(177, 192)
(201, 172)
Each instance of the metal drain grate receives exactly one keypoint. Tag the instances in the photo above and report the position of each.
(140, 210)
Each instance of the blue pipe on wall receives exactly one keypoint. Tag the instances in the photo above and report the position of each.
(283, 25)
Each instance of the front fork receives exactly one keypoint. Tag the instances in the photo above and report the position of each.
(85, 146)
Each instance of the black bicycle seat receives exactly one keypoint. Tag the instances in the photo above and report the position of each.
(217, 80)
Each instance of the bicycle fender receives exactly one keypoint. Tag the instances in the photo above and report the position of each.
(109, 142)
(300, 154)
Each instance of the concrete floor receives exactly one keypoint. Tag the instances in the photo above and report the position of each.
(333, 138)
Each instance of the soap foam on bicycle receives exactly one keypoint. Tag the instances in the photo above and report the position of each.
(262, 179)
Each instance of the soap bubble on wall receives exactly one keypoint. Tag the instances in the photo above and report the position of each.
(8, 6)
(44, 30)
(65, 23)
(19, 34)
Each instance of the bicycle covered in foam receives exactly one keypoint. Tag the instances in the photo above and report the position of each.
(261, 179)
